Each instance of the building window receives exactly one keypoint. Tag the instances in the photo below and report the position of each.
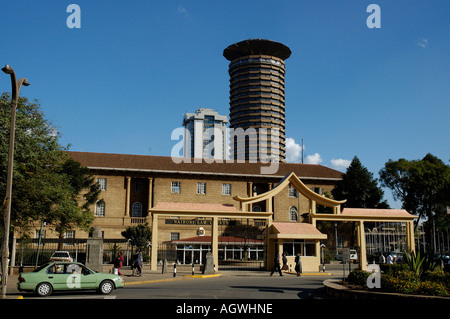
(293, 214)
(139, 186)
(174, 236)
(69, 234)
(318, 190)
(292, 191)
(102, 183)
(100, 209)
(226, 189)
(304, 247)
(201, 188)
(256, 208)
(38, 232)
(176, 187)
(136, 210)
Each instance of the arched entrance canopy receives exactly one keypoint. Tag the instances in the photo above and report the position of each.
(282, 231)
(300, 187)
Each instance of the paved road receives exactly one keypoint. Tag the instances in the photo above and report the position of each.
(256, 286)
(230, 285)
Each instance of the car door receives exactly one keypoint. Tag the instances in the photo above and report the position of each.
(88, 279)
(58, 276)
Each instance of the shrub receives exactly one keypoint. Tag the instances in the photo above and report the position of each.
(431, 288)
(405, 282)
(393, 269)
(358, 277)
(438, 276)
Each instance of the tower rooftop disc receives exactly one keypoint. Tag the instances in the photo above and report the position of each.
(256, 47)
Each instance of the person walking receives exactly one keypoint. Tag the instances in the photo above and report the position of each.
(389, 260)
(285, 265)
(276, 266)
(298, 264)
(119, 262)
(138, 263)
(382, 259)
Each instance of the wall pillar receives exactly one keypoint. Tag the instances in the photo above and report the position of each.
(127, 201)
(215, 241)
(410, 239)
(362, 246)
(154, 257)
(150, 192)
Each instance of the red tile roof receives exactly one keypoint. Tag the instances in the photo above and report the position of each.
(163, 164)
(295, 228)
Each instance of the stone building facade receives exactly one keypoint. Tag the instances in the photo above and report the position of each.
(133, 184)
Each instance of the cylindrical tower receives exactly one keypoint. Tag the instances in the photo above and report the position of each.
(257, 104)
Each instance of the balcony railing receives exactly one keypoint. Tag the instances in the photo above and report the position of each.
(138, 220)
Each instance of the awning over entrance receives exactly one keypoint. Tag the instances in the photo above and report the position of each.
(377, 213)
(280, 230)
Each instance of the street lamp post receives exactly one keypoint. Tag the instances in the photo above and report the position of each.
(16, 85)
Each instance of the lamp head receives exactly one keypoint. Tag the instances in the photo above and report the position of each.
(7, 69)
(25, 82)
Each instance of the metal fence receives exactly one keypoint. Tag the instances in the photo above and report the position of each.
(32, 252)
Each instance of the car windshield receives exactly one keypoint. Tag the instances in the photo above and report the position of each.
(60, 254)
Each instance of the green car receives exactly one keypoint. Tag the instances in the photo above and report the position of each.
(60, 275)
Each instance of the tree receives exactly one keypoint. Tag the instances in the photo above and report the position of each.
(79, 184)
(139, 235)
(46, 183)
(422, 186)
(359, 188)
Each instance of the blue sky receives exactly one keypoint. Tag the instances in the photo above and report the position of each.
(122, 82)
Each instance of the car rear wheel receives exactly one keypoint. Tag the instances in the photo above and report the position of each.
(44, 289)
(106, 287)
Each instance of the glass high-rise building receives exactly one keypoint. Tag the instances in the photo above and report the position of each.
(205, 134)
(257, 104)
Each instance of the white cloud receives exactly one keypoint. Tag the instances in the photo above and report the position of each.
(313, 159)
(340, 164)
(293, 151)
(422, 42)
(183, 10)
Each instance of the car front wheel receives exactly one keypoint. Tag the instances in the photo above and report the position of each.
(44, 289)
(106, 287)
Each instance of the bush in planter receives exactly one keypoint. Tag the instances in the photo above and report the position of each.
(405, 282)
(437, 276)
(358, 277)
(393, 269)
(431, 288)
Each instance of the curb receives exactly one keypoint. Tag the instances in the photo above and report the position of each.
(152, 281)
(203, 276)
(169, 279)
